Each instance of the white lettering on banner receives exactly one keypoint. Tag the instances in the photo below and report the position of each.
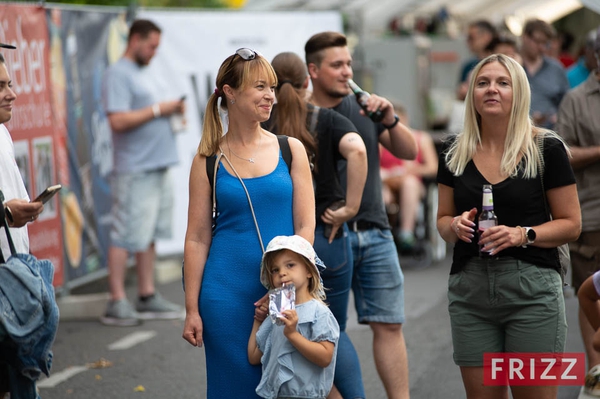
(534, 368)
(26, 63)
(545, 376)
(515, 366)
(566, 375)
(495, 368)
(102, 151)
(27, 69)
(31, 115)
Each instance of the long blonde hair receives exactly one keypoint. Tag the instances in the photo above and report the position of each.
(521, 137)
(238, 74)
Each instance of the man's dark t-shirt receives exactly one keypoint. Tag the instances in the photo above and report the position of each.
(329, 130)
(372, 207)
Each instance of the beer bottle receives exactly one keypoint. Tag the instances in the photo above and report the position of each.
(487, 218)
(362, 97)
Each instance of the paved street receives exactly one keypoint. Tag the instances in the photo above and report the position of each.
(152, 361)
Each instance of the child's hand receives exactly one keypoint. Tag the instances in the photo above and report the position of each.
(290, 320)
(262, 308)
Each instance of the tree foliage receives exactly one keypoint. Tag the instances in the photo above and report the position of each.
(149, 3)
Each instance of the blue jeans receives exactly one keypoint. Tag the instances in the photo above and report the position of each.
(378, 282)
(337, 279)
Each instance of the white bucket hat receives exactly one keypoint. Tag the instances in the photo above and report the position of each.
(300, 246)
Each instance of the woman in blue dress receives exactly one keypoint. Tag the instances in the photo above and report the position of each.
(256, 194)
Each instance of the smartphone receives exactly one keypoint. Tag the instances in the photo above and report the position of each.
(47, 194)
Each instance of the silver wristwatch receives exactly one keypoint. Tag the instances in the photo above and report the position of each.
(530, 236)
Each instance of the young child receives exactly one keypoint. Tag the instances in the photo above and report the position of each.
(298, 357)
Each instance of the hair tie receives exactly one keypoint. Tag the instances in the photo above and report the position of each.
(217, 91)
(284, 82)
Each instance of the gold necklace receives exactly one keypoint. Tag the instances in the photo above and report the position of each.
(251, 159)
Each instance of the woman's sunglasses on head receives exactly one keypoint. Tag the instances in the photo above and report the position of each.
(245, 53)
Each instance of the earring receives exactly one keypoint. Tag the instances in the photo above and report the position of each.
(232, 101)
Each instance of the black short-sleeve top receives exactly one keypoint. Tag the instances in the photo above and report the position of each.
(517, 202)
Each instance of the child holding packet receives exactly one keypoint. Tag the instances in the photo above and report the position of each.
(298, 356)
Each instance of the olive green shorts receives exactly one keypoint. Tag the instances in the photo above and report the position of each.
(505, 305)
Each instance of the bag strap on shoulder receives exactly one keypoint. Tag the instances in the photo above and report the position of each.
(4, 224)
(286, 151)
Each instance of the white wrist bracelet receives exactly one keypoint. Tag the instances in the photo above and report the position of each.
(156, 110)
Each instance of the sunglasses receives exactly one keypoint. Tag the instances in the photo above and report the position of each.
(247, 54)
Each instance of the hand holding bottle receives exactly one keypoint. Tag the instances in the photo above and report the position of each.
(371, 105)
(170, 107)
(464, 225)
(177, 117)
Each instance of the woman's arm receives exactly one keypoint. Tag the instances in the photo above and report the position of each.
(565, 225)
(446, 212)
(198, 238)
(352, 148)
(303, 196)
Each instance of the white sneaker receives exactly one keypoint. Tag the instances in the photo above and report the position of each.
(592, 381)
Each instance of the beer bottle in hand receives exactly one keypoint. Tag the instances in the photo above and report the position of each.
(362, 97)
(488, 217)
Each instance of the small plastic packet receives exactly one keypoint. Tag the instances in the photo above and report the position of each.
(280, 300)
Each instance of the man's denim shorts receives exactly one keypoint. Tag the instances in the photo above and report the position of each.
(142, 209)
(378, 282)
(505, 305)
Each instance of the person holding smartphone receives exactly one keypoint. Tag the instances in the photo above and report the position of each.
(144, 150)
(18, 209)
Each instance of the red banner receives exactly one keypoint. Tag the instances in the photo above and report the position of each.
(38, 138)
(534, 369)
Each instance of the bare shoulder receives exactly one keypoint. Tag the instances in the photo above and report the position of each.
(198, 167)
(295, 144)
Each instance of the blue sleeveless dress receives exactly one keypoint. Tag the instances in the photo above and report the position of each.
(231, 280)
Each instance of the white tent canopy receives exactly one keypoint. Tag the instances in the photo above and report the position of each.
(375, 15)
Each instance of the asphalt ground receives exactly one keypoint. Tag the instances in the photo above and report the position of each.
(153, 361)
